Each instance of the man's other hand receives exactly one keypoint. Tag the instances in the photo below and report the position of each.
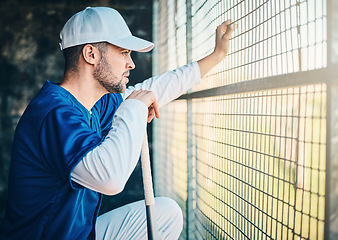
(149, 99)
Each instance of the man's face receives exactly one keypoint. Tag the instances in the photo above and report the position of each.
(113, 69)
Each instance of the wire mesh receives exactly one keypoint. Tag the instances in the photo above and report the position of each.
(273, 37)
(171, 35)
(260, 164)
(170, 146)
(259, 157)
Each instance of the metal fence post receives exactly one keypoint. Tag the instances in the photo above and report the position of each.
(155, 33)
(331, 209)
(190, 165)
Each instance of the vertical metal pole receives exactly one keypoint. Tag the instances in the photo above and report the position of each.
(331, 199)
(189, 32)
(152, 229)
(190, 166)
(156, 20)
(155, 72)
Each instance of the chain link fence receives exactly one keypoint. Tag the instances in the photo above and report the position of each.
(249, 152)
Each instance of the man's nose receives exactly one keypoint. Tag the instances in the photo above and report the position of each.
(130, 63)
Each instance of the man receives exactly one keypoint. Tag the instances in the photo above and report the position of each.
(82, 138)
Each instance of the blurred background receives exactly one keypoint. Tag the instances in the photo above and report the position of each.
(30, 55)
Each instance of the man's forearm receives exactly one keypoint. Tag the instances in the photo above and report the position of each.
(107, 167)
(171, 84)
(209, 62)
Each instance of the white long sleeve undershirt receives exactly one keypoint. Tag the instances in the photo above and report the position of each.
(107, 167)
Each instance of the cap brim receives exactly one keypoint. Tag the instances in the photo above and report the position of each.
(133, 43)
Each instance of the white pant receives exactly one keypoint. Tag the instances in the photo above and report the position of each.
(129, 221)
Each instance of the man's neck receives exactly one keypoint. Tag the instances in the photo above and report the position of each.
(84, 88)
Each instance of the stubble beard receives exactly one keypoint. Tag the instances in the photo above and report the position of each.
(107, 79)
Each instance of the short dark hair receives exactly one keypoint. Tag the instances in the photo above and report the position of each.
(72, 54)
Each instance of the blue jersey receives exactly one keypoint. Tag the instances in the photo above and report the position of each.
(53, 135)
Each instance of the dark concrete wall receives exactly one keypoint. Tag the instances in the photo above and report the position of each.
(30, 54)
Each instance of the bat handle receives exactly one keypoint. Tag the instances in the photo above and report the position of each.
(148, 191)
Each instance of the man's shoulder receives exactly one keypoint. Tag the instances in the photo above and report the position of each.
(44, 102)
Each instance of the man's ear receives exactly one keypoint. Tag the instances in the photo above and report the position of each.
(90, 54)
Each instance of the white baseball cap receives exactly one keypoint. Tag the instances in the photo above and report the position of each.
(101, 24)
